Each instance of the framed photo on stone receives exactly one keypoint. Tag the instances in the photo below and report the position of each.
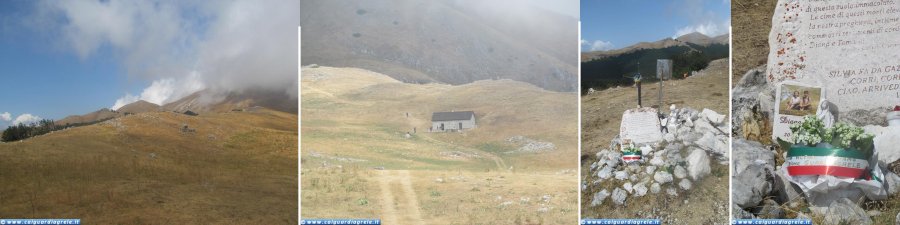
(794, 100)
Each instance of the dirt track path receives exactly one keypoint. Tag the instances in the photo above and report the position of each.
(404, 202)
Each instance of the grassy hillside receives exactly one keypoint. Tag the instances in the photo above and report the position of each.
(236, 167)
(355, 120)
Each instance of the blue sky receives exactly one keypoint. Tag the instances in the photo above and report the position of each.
(607, 25)
(60, 58)
(43, 79)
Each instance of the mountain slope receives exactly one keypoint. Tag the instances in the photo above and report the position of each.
(209, 101)
(355, 120)
(139, 106)
(235, 167)
(443, 41)
(690, 52)
(352, 99)
(99, 115)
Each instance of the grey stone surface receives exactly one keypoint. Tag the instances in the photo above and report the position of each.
(750, 153)
(618, 196)
(599, 197)
(654, 188)
(738, 213)
(770, 210)
(891, 182)
(650, 169)
(750, 186)
(785, 191)
(662, 177)
(679, 172)
(887, 145)
(685, 184)
(604, 173)
(640, 189)
(621, 175)
(801, 49)
(845, 211)
(698, 164)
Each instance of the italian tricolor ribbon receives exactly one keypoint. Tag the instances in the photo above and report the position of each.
(803, 160)
(631, 156)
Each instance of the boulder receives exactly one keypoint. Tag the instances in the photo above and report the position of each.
(713, 117)
(662, 177)
(650, 169)
(604, 173)
(618, 196)
(640, 189)
(627, 186)
(657, 161)
(844, 211)
(613, 159)
(785, 191)
(621, 175)
(750, 153)
(750, 186)
(685, 184)
(687, 135)
(707, 142)
(680, 172)
(770, 210)
(654, 188)
(892, 182)
(698, 164)
(599, 197)
(704, 126)
(897, 219)
(887, 145)
(738, 213)
(669, 137)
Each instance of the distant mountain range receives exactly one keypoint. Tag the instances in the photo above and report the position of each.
(199, 102)
(452, 42)
(690, 52)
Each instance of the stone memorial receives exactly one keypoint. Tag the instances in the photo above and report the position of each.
(849, 48)
(641, 126)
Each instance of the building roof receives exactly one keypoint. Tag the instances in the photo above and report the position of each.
(449, 116)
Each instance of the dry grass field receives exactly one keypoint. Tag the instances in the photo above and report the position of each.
(355, 121)
(751, 22)
(234, 167)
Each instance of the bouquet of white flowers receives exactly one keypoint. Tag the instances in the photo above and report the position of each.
(842, 150)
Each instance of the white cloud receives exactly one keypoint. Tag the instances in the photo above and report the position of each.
(597, 45)
(709, 28)
(5, 116)
(226, 46)
(701, 19)
(164, 90)
(26, 119)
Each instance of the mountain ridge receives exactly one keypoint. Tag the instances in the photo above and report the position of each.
(198, 102)
(683, 40)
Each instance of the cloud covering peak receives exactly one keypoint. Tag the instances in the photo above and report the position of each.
(184, 47)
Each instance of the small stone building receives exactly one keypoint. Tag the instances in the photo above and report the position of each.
(452, 121)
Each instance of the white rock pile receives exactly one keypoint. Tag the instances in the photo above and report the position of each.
(669, 167)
